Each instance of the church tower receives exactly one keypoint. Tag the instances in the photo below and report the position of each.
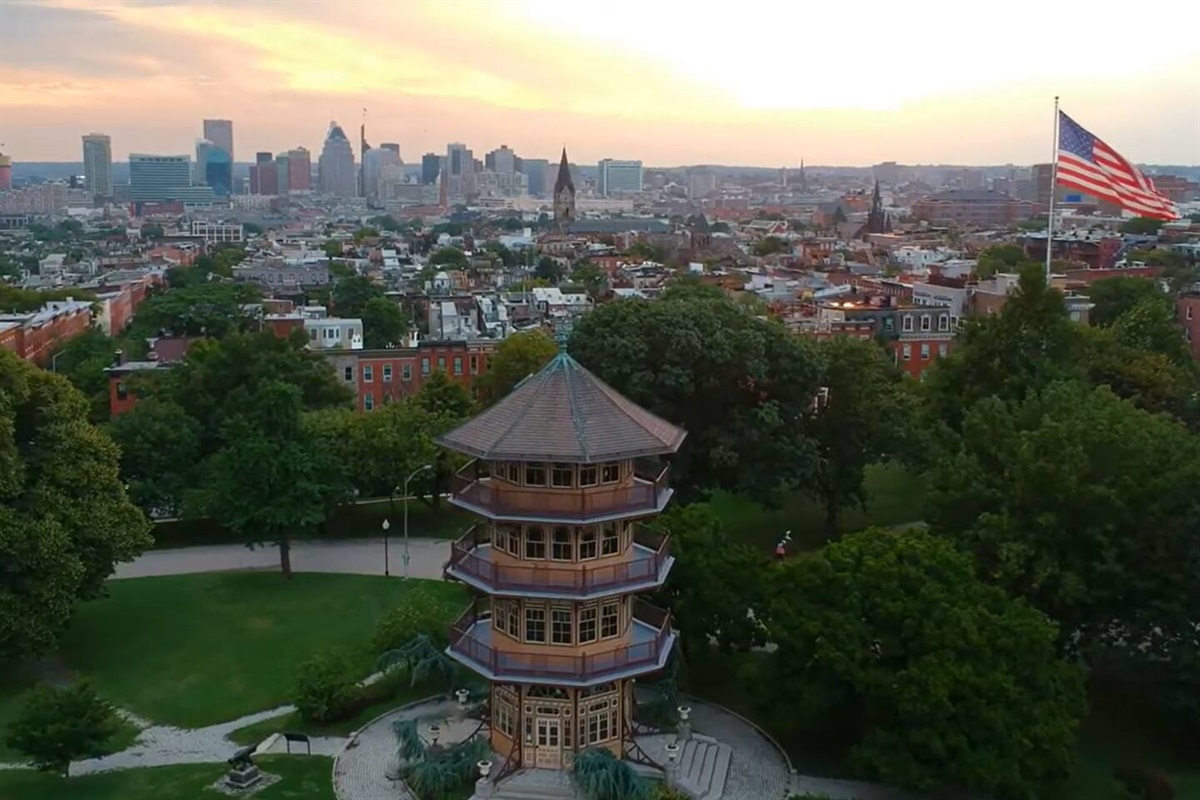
(877, 221)
(564, 195)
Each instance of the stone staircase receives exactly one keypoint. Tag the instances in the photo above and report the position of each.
(703, 767)
(536, 784)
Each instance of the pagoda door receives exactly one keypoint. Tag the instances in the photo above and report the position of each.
(549, 742)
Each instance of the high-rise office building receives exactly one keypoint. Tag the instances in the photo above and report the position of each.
(374, 162)
(164, 178)
(283, 173)
(459, 177)
(502, 160)
(431, 165)
(213, 168)
(264, 174)
(5, 172)
(536, 171)
(97, 164)
(299, 170)
(335, 168)
(393, 146)
(220, 133)
(619, 177)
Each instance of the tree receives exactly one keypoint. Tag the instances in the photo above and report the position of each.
(270, 482)
(153, 231)
(999, 258)
(57, 726)
(441, 396)
(1151, 326)
(1029, 344)
(65, 520)
(1086, 506)
(1112, 297)
(741, 386)
(252, 228)
(517, 357)
(449, 257)
(351, 295)
(366, 233)
(862, 417)
(160, 448)
(389, 445)
(384, 324)
(714, 583)
(647, 251)
(23, 301)
(593, 279)
(548, 270)
(1152, 381)
(1141, 226)
(770, 246)
(203, 309)
(83, 361)
(935, 681)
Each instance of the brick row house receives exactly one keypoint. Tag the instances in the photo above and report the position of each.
(38, 335)
(382, 376)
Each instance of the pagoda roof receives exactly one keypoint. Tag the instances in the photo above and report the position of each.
(564, 413)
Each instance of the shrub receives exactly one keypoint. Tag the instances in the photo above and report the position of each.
(58, 726)
(602, 776)
(326, 688)
(1144, 783)
(421, 613)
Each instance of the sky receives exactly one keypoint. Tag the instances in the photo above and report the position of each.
(754, 82)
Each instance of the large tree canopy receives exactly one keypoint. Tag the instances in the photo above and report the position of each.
(65, 520)
(515, 359)
(1086, 506)
(889, 645)
(741, 386)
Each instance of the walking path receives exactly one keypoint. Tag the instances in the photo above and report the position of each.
(349, 556)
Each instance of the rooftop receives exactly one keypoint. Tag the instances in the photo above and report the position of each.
(564, 413)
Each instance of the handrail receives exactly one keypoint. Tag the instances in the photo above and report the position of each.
(547, 664)
(547, 575)
(472, 486)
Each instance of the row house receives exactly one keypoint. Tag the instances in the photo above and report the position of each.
(164, 352)
(917, 335)
(923, 334)
(38, 336)
(377, 377)
(1187, 305)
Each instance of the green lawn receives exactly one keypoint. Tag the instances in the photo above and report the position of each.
(356, 521)
(194, 650)
(304, 778)
(894, 496)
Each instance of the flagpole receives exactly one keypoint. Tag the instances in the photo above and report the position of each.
(1053, 189)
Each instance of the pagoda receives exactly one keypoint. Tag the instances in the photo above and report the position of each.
(565, 472)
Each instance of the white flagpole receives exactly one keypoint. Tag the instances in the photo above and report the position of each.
(1053, 191)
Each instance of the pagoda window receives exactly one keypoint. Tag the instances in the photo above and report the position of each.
(588, 544)
(562, 476)
(535, 624)
(514, 620)
(514, 472)
(610, 539)
(610, 473)
(610, 619)
(560, 626)
(535, 474)
(561, 545)
(588, 616)
(535, 543)
(514, 542)
(589, 475)
(504, 716)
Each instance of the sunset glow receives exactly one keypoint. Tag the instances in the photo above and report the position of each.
(751, 83)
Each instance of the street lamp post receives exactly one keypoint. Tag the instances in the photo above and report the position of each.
(386, 568)
(414, 474)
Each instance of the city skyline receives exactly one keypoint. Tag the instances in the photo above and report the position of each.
(639, 81)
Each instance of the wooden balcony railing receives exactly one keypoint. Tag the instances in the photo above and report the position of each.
(638, 566)
(509, 664)
(643, 495)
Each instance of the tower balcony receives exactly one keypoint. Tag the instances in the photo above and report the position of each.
(642, 567)
(645, 648)
(642, 495)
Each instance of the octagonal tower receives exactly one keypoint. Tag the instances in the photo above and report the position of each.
(565, 472)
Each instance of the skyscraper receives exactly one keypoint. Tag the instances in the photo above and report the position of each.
(160, 178)
(459, 177)
(264, 175)
(619, 177)
(535, 171)
(299, 170)
(335, 168)
(220, 133)
(431, 165)
(5, 172)
(374, 162)
(97, 164)
(501, 160)
(214, 168)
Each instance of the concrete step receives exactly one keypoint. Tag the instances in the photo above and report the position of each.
(536, 784)
(704, 768)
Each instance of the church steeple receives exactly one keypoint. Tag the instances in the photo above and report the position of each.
(564, 194)
(877, 221)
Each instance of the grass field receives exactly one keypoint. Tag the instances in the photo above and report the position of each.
(194, 650)
(355, 521)
(303, 778)
(894, 496)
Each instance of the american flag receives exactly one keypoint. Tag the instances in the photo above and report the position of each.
(1088, 164)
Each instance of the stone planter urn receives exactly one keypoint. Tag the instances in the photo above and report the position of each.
(485, 768)
(685, 726)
